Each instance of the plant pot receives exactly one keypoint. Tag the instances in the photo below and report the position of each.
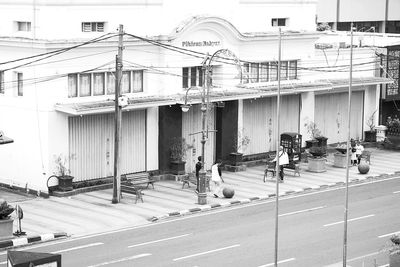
(65, 182)
(316, 164)
(341, 150)
(235, 158)
(177, 167)
(6, 228)
(394, 258)
(369, 136)
(311, 143)
(339, 160)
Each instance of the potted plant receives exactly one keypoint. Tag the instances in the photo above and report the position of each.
(393, 248)
(393, 131)
(240, 144)
(313, 132)
(63, 172)
(316, 162)
(370, 135)
(6, 222)
(178, 148)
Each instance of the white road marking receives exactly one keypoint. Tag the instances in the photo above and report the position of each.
(386, 265)
(121, 260)
(159, 240)
(300, 211)
(279, 262)
(355, 219)
(390, 234)
(3, 262)
(206, 252)
(80, 247)
(396, 192)
(364, 256)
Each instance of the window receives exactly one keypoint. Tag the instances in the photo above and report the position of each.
(98, 83)
(268, 71)
(1, 82)
(103, 83)
(19, 78)
(192, 76)
(72, 85)
(93, 26)
(23, 26)
(276, 22)
(84, 85)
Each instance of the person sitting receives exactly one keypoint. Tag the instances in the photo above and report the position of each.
(283, 160)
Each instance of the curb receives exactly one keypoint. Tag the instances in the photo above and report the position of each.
(269, 196)
(31, 239)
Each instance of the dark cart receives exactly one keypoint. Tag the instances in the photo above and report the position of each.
(291, 143)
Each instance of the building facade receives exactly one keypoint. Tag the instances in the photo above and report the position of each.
(62, 102)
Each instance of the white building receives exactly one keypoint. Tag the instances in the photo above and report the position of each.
(64, 104)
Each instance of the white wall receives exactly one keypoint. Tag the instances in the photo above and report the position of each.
(62, 19)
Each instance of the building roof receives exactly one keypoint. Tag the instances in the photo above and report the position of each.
(244, 91)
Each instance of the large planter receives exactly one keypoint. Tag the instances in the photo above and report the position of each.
(369, 136)
(6, 228)
(339, 160)
(394, 259)
(316, 164)
(65, 183)
(177, 167)
(235, 158)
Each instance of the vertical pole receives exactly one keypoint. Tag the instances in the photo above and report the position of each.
(202, 196)
(277, 150)
(348, 152)
(118, 114)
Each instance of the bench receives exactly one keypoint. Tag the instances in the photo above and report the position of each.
(134, 183)
(293, 166)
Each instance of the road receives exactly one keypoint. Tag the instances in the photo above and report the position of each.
(310, 234)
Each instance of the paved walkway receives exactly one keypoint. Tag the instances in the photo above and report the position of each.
(93, 212)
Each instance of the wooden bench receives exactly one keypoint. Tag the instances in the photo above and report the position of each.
(293, 166)
(134, 183)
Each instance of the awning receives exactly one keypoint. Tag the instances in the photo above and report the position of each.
(243, 91)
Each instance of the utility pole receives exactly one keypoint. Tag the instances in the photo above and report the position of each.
(118, 116)
(278, 139)
(348, 152)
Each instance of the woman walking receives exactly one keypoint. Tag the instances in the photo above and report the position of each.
(216, 177)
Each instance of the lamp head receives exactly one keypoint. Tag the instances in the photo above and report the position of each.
(185, 108)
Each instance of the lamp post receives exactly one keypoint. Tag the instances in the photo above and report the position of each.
(202, 195)
(224, 54)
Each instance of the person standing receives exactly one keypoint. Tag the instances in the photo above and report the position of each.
(198, 168)
(359, 150)
(353, 159)
(283, 160)
(216, 177)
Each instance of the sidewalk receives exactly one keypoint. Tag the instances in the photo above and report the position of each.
(92, 212)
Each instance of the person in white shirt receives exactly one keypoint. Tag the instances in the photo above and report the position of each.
(283, 160)
(359, 150)
(216, 177)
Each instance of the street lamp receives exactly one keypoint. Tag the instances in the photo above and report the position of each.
(202, 195)
(224, 54)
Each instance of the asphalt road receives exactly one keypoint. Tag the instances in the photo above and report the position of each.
(310, 234)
